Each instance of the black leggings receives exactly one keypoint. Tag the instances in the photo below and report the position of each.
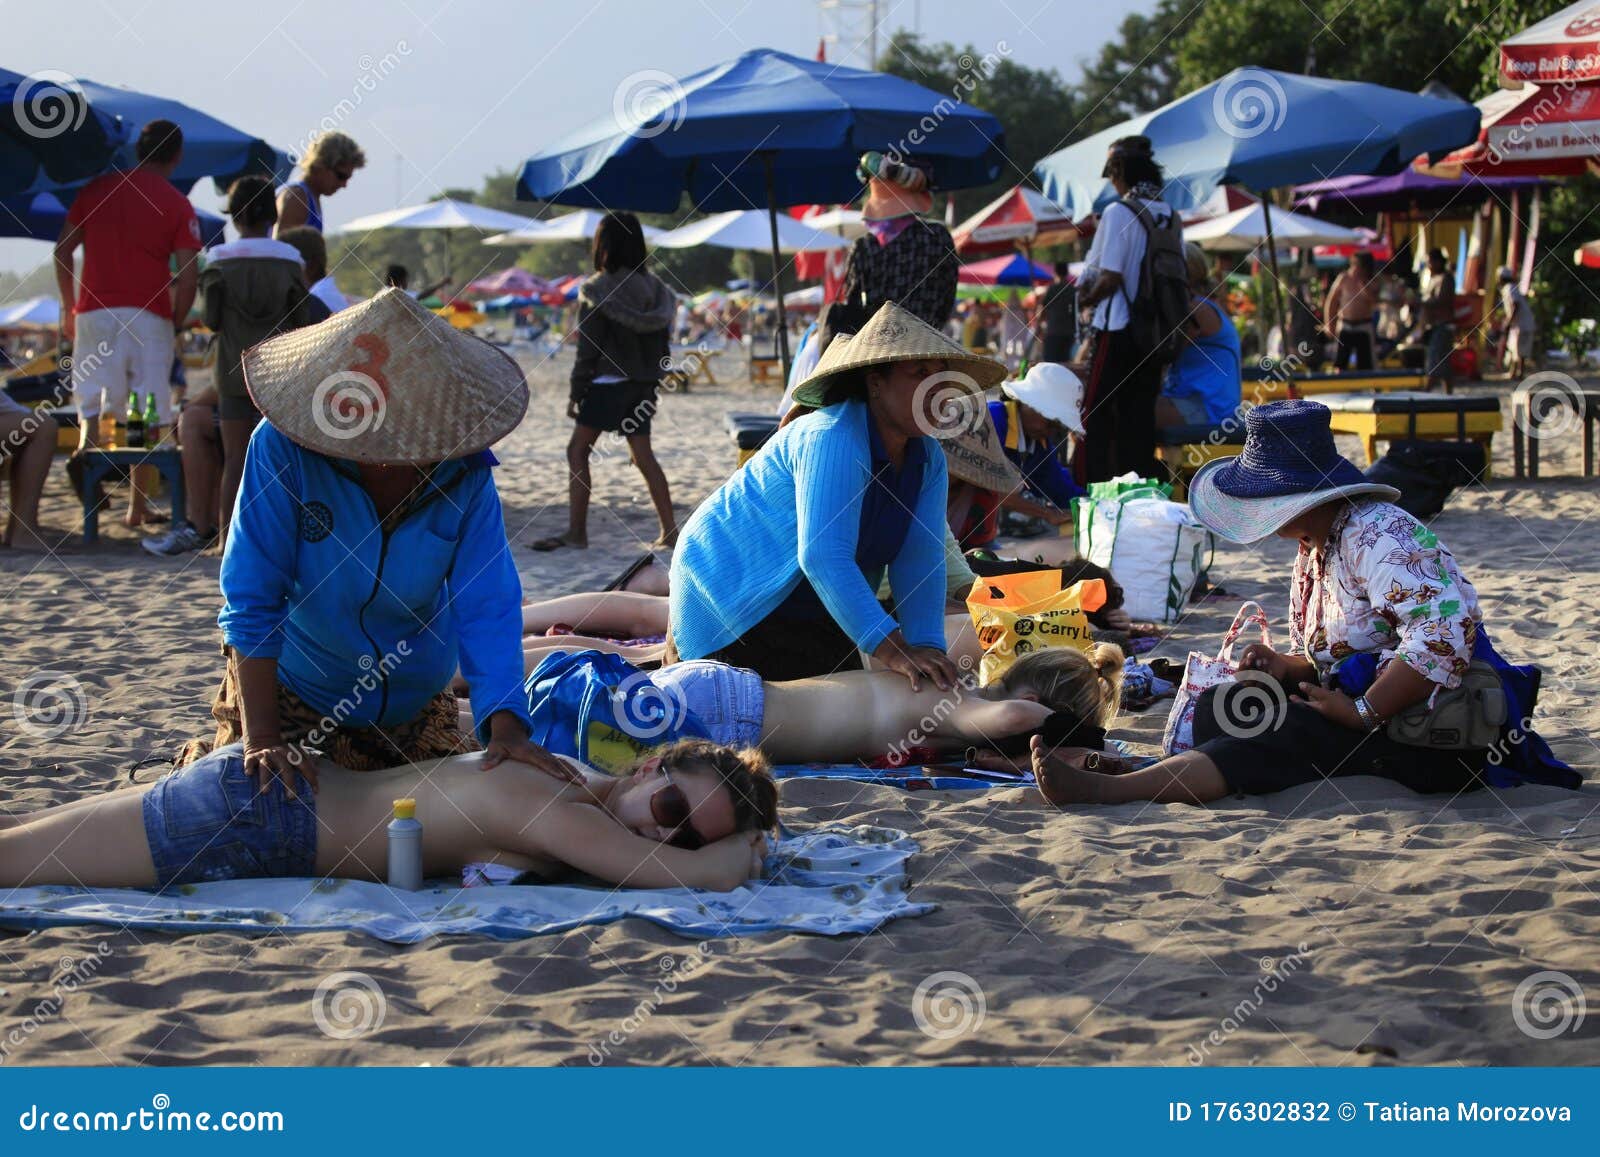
(1120, 422)
(1297, 745)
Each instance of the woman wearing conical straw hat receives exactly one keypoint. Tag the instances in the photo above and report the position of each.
(368, 555)
(777, 570)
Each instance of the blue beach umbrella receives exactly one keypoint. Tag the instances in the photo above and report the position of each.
(49, 136)
(41, 215)
(104, 123)
(765, 130)
(1262, 129)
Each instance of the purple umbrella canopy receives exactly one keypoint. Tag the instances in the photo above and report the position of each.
(1407, 189)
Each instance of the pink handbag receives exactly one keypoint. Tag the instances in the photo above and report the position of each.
(1201, 672)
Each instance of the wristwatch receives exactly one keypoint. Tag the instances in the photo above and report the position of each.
(1369, 718)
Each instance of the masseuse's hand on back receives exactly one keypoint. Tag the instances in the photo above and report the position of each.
(508, 739)
(915, 663)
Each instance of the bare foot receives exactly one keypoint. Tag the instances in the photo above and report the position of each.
(557, 541)
(667, 541)
(1063, 774)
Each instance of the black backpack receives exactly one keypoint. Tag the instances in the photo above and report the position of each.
(1427, 472)
(1157, 315)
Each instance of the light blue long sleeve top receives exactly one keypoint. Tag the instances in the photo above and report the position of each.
(793, 511)
(366, 626)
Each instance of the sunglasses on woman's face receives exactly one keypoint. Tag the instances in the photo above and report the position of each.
(669, 807)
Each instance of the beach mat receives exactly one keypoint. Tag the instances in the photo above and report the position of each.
(830, 881)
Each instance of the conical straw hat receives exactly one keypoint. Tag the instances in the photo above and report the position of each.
(386, 381)
(896, 335)
(973, 454)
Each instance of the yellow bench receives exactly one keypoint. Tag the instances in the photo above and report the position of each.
(1259, 391)
(1430, 417)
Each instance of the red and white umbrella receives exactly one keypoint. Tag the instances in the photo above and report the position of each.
(1020, 215)
(1587, 255)
(1560, 48)
(1537, 131)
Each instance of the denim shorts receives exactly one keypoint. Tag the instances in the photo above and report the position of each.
(209, 821)
(730, 701)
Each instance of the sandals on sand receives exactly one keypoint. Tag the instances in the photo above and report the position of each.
(555, 542)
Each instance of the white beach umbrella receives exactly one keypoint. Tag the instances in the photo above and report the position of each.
(1246, 229)
(751, 229)
(579, 226)
(441, 214)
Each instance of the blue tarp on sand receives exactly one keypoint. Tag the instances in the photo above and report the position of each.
(829, 882)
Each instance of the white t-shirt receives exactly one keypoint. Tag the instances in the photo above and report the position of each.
(326, 291)
(1118, 246)
(255, 247)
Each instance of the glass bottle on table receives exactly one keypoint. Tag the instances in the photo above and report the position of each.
(135, 422)
(152, 420)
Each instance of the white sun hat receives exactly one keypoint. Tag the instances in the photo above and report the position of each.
(386, 382)
(1053, 390)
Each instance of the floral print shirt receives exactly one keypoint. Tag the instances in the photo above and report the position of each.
(1381, 582)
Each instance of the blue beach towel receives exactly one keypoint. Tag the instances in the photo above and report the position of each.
(829, 882)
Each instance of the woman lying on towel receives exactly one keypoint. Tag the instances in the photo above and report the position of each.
(1382, 620)
(692, 814)
(852, 715)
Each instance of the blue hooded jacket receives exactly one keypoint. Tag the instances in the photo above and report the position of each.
(367, 627)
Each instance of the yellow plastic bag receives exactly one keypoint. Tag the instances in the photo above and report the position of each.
(1015, 614)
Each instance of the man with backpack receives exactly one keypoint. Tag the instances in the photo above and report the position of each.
(1136, 283)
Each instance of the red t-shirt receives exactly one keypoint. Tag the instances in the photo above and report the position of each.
(132, 224)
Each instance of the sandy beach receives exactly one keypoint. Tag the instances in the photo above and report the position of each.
(1345, 924)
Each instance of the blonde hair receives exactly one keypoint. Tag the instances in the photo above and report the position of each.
(1067, 679)
(333, 149)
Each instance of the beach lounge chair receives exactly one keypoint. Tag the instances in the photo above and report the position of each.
(1378, 418)
(749, 432)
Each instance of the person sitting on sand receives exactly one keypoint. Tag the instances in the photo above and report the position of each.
(1373, 590)
(368, 557)
(692, 814)
(27, 446)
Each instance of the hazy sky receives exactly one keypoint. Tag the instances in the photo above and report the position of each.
(442, 92)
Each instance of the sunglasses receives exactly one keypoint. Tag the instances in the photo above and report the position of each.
(344, 175)
(669, 807)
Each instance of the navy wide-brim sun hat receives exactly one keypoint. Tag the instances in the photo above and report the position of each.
(1289, 466)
